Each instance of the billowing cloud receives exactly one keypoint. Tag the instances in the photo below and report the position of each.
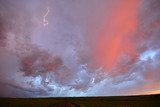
(60, 48)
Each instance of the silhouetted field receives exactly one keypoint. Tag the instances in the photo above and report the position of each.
(118, 101)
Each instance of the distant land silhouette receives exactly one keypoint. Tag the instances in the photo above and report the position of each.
(113, 101)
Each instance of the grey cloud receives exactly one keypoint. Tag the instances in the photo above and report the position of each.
(58, 60)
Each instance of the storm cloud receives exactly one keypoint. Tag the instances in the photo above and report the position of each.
(51, 48)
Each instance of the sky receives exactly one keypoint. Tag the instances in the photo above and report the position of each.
(73, 48)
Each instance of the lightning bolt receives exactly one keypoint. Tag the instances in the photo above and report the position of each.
(45, 21)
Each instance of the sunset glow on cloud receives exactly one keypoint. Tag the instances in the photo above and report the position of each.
(114, 40)
(57, 48)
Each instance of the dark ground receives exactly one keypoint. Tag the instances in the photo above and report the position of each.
(120, 101)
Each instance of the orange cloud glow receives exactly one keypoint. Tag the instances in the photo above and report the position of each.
(114, 38)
